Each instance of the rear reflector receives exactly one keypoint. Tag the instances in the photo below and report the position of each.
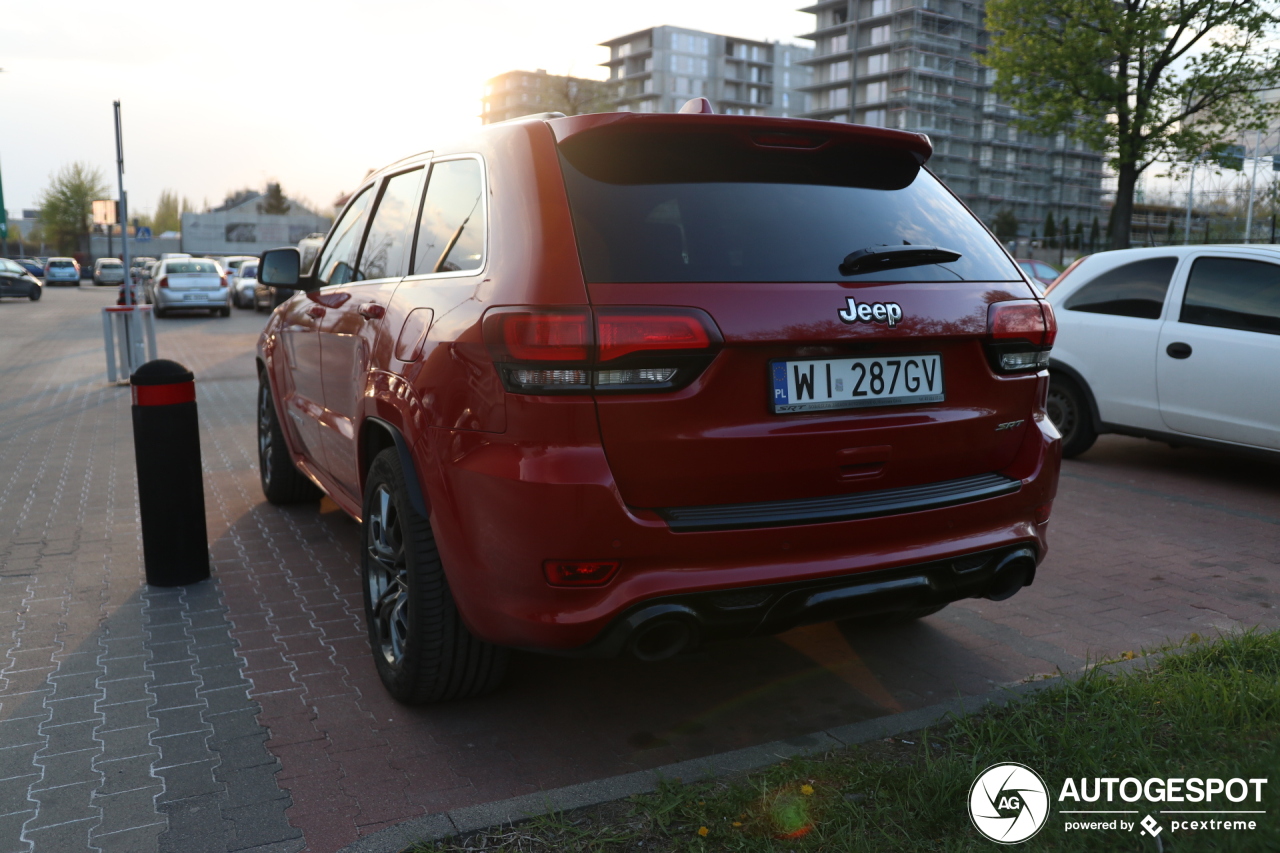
(163, 282)
(1042, 512)
(579, 572)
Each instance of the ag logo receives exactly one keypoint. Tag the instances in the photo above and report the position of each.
(1008, 803)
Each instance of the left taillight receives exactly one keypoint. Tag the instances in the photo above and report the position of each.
(1020, 334)
(602, 350)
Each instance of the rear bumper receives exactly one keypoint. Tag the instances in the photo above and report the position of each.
(772, 608)
(499, 510)
(166, 298)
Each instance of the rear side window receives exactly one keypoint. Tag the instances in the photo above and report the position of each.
(707, 207)
(451, 228)
(1233, 293)
(1131, 290)
(338, 263)
(386, 249)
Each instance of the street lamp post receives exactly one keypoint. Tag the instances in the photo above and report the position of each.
(124, 209)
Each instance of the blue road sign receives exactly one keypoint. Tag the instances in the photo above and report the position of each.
(143, 234)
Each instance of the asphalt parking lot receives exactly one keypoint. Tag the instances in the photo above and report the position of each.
(245, 714)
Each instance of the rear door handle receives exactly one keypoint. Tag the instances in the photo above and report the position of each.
(316, 311)
(1178, 349)
(372, 311)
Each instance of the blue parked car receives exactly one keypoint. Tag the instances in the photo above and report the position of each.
(31, 265)
(62, 271)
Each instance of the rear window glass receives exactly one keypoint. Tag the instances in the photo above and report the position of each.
(112, 264)
(191, 267)
(707, 207)
(58, 265)
(1131, 290)
(249, 271)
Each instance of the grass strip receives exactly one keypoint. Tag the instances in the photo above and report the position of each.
(1210, 710)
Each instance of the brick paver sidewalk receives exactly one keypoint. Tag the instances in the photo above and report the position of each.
(244, 713)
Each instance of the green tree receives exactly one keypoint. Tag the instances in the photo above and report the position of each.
(1144, 80)
(274, 201)
(1050, 232)
(1005, 225)
(1095, 235)
(168, 215)
(66, 204)
(1077, 242)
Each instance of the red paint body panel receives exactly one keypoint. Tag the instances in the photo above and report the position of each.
(511, 480)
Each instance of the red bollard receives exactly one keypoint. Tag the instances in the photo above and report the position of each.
(166, 446)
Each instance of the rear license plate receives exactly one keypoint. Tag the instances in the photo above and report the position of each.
(854, 383)
(194, 297)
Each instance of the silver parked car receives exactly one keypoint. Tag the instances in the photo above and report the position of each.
(108, 271)
(245, 284)
(189, 284)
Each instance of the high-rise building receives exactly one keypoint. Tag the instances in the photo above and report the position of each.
(913, 65)
(657, 70)
(520, 93)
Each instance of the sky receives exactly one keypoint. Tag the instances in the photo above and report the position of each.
(218, 96)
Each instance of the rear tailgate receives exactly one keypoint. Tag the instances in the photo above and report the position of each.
(754, 235)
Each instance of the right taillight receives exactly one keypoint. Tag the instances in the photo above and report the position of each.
(602, 350)
(163, 281)
(1020, 334)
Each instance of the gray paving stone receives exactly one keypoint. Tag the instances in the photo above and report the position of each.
(125, 690)
(11, 832)
(126, 715)
(162, 653)
(248, 786)
(244, 752)
(162, 635)
(291, 846)
(229, 699)
(66, 769)
(70, 835)
(235, 724)
(70, 737)
(124, 647)
(184, 781)
(124, 667)
(142, 839)
(17, 760)
(217, 655)
(13, 793)
(176, 695)
(63, 805)
(261, 823)
(176, 721)
(128, 809)
(171, 673)
(196, 825)
(23, 730)
(124, 743)
(74, 710)
(182, 749)
(217, 677)
(126, 774)
(67, 686)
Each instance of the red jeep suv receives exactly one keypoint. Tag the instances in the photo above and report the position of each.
(626, 383)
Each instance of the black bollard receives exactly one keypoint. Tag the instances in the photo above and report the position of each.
(166, 446)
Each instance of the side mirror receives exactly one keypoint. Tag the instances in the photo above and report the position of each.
(281, 268)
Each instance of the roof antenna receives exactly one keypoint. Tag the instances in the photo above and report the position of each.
(698, 106)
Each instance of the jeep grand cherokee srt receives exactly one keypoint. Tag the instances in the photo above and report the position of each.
(625, 383)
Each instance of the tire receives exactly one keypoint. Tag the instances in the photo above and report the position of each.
(36, 293)
(225, 311)
(422, 651)
(1068, 408)
(282, 482)
(160, 312)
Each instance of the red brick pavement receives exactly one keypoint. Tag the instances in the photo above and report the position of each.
(1148, 543)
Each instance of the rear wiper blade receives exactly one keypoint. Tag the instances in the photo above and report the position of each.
(875, 258)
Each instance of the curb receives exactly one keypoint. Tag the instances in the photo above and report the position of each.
(435, 827)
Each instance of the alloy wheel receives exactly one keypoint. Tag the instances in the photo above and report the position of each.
(387, 577)
(264, 432)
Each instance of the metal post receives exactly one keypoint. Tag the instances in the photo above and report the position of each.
(124, 207)
(1253, 179)
(1191, 194)
(106, 341)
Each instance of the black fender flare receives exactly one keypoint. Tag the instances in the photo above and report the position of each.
(1074, 375)
(412, 483)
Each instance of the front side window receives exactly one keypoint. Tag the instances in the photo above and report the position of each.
(338, 262)
(1130, 290)
(1233, 293)
(386, 249)
(451, 228)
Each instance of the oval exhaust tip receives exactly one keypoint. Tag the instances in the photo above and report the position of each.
(661, 639)
(1012, 574)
